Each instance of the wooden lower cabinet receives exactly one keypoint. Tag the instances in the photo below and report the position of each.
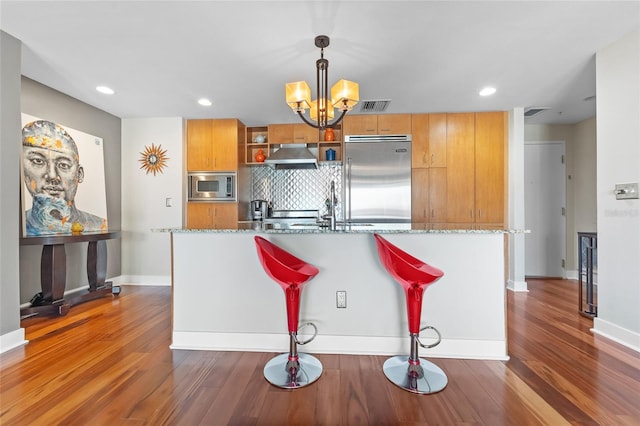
(429, 195)
(212, 216)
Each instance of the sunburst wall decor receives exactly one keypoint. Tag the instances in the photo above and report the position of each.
(153, 159)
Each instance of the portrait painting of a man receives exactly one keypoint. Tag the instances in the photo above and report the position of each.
(53, 173)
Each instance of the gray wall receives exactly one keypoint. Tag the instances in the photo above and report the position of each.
(43, 102)
(9, 180)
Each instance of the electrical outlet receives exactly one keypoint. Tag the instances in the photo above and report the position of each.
(341, 299)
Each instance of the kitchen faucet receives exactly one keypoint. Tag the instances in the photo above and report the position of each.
(332, 207)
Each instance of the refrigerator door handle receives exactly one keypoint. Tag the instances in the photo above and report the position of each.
(348, 189)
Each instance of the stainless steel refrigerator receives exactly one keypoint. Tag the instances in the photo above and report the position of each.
(377, 179)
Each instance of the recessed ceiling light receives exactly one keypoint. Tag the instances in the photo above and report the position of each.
(204, 102)
(487, 91)
(106, 90)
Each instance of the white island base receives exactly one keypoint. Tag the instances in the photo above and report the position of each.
(223, 299)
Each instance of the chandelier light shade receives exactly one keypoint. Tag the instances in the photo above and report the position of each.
(322, 108)
(344, 94)
(298, 95)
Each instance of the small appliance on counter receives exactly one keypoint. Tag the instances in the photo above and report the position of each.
(259, 210)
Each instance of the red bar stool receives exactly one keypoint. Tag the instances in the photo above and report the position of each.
(289, 370)
(412, 373)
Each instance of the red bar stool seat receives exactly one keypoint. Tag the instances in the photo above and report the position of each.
(411, 373)
(289, 370)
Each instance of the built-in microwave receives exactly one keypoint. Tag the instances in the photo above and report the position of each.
(212, 186)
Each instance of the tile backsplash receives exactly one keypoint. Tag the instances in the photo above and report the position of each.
(297, 189)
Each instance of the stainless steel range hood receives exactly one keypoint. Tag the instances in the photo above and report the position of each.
(292, 156)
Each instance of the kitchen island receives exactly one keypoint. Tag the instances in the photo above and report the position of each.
(223, 299)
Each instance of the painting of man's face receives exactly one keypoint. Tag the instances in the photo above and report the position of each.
(51, 165)
(57, 197)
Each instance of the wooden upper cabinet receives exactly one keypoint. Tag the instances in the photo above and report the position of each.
(280, 133)
(420, 141)
(303, 133)
(429, 140)
(360, 125)
(384, 124)
(394, 124)
(225, 144)
(199, 148)
(461, 167)
(437, 140)
(212, 145)
(292, 133)
(490, 167)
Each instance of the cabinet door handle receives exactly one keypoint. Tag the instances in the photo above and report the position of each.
(432, 158)
(471, 213)
(424, 158)
(479, 213)
(433, 213)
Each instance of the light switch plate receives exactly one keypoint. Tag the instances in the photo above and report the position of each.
(341, 299)
(626, 191)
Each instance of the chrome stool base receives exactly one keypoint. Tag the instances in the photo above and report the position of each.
(432, 379)
(275, 371)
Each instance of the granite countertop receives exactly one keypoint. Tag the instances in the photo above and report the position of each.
(395, 228)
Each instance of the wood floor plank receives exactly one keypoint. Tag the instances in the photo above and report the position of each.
(108, 362)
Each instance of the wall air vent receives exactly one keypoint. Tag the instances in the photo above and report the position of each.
(530, 112)
(378, 105)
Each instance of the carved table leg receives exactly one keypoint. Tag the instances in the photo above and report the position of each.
(53, 272)
(96, 274)
(53, 276)
(96, 264)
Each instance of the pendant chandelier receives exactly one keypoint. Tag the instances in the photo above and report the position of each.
(344, 94)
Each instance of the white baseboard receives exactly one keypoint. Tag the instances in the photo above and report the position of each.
(157, 280)
(355, 345)
(571, 274)
(618, 334)
(12, 339)
(517, 286)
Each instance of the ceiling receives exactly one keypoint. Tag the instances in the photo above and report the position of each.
(160, 57)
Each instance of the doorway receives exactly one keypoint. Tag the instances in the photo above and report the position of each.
(545, 214)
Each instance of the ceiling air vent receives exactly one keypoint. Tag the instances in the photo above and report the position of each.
(530, 112)
(378, 105)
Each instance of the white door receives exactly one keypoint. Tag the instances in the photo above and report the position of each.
(544, 201)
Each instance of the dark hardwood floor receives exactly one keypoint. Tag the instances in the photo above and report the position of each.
(108, 362)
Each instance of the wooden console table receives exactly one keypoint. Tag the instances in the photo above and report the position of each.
(53, 272)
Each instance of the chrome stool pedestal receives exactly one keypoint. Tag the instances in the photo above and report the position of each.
(294, 370)
(415, 374)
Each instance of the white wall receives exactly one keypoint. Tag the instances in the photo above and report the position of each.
(618, 152)
(146, 255)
